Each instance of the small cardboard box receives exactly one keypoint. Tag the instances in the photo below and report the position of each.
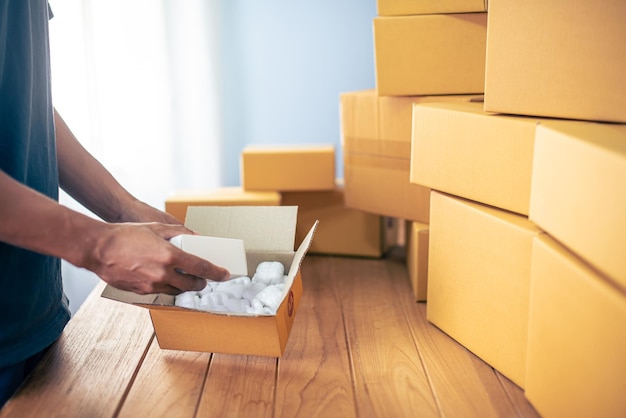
(559, 58)
(422, 7)
(376, 142)
(177, 204)
(576, 363)
(460, 149)
(342, 231)
(430, 54)
(479, 280)
(268, 233)
(417, 259)
(288, 167)
(578, 192)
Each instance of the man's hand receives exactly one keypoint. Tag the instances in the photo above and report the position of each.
(138, 211)
(139, 258)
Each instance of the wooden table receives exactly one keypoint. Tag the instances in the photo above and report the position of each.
(360, 347)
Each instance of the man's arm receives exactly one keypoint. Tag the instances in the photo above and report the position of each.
(91, 184)
(130, 256)
(135, 257)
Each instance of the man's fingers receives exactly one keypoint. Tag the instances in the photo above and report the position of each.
(168, 289)
(168, 231)
(196, 267)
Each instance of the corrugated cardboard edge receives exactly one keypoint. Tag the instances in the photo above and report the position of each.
(256, 225)
(132, 298)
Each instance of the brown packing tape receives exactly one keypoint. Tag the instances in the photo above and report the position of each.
(388, 163)
(378, 147)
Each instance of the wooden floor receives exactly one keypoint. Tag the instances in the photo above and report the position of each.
(360, 347)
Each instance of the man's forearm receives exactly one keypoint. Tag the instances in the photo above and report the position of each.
(38, 223)
(130, 256)
(86, 180)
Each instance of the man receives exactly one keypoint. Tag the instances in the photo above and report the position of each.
(38, 153)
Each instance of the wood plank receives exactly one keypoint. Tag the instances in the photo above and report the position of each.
(463, 384)
(239, 386)
(390, 380)
(498, 398)
(87, 372)
(314, 375)
(516, 394)
(168, 381)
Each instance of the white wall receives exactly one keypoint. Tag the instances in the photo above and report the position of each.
(284, 64)
(278, 65)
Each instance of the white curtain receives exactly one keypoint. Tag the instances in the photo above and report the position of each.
(137, 82)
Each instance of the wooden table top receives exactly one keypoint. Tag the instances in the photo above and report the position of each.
(360, 347)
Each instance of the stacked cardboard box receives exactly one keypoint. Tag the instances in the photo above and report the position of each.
(177, 203)
(302, 176)
(527, 220)
(578, 279)
(376, 144)
(561, 58)
(441, 51)
(426, 51)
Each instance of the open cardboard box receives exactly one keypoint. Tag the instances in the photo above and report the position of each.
(268, 233)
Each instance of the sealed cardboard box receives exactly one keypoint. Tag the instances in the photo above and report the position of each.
(478, 280)
(420, 7)
(178, 203)
(417, 259)
(578, 191)
(380, 185)
(460, 149)
(576, 339)
(268, 234)
(430, 54)
(288, 167)
(342, 231)
(376, 142)
(559, 58)
(381, 125)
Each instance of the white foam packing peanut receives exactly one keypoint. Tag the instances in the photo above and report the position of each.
(269, 272)
(259, 295)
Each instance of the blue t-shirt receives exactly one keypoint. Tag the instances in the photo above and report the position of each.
(33, 307)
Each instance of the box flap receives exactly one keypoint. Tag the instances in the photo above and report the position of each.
(266, 228)
(302, 249)
(125, 296)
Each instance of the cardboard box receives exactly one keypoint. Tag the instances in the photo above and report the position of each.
(376, 142)
(561, 58)
(268, 233)
(288, 167)
(342, 231)
(178, 203)
(478, 280)
(430, 54)
(382, 125)
(417, 259)
(576, 339)
(578, 191)
(380, 185)
(421, 7)
(460, 149)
